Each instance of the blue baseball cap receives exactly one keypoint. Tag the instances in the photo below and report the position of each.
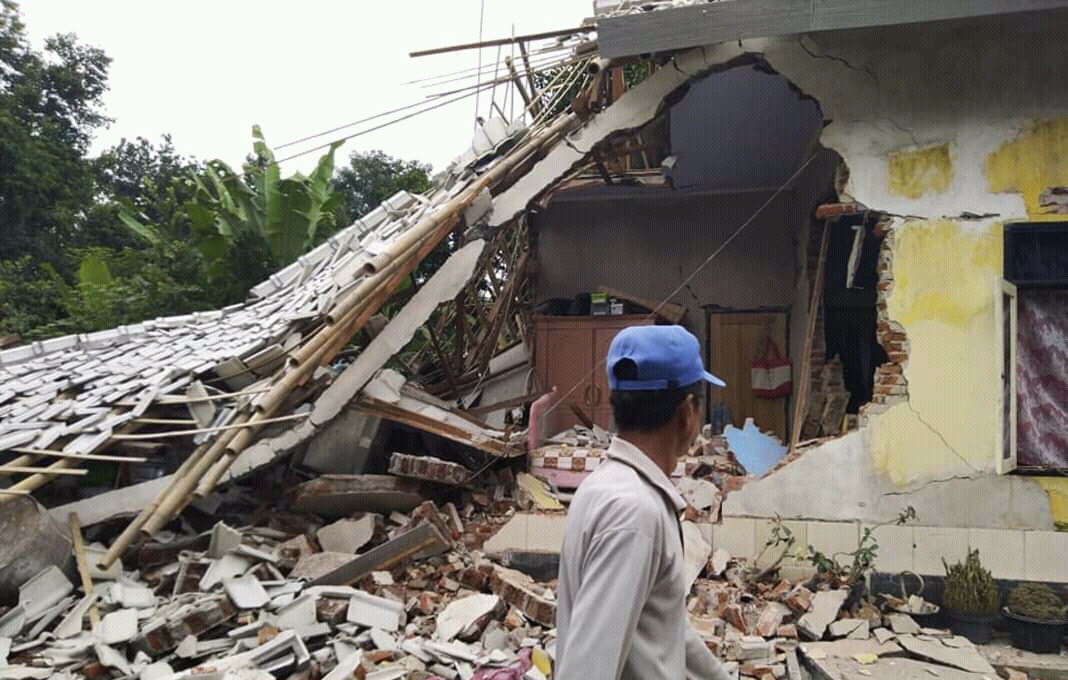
(666, 357)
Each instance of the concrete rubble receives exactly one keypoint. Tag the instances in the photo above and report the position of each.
(387, 578)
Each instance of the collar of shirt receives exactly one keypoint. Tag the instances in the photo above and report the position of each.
(629, 454)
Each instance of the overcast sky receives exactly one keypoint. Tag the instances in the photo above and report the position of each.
(205, 71)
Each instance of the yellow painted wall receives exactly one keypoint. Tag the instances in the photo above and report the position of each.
(915, 173)
(1032, 162)
(944, 274)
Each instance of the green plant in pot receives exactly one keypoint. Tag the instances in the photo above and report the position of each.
(1036, 617)
(971, 599)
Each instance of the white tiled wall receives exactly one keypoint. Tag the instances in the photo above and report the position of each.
(1009, 553)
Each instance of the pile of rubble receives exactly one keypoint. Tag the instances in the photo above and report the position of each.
(821, 628)
(312, 586)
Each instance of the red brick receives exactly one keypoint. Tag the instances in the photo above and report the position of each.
(733, 615)
(799, 599)
(788, 630)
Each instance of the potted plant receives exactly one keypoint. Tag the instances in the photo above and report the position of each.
(1036, 617)
(971, 599)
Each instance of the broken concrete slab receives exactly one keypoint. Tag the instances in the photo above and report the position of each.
(700, 493)
(30, 541)
(312, 567)
(422, 538)
(883, 635)
(342, 495)
(347, 535)
(849, 628)
(43, 591)
(246, 592)
(903, 624)
(462, 613)
(847, 649)
(429, 469)
(375, 612)
(965, 656)
(825, 607)
(696, 551)
(896, 668)
(156, 671)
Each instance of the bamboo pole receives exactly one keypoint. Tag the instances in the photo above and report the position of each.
(28, 470)
(83, 568)
(347, 313)
(131, 531)
(36, 481)
(205, 430)
(98, 457)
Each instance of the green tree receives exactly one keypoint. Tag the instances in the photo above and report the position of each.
(248, 225)
(50, 105)
(372, 177)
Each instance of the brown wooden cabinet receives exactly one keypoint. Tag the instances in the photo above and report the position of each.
(569, 354)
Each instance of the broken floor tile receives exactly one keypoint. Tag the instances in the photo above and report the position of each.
(117, 627)
(903, 624)
(245, 592)
(462, 613)
(847, 627)
(347, 535)
(825, 607)
(375, 612)
(964, 657)
(223, 540)
(297, 614)
(227, 566)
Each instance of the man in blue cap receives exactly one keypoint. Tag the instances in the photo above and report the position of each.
(622, 590)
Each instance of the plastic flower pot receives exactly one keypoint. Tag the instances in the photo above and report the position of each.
(1035, 635)
(977, 628)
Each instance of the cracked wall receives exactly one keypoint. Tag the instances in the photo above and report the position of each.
(953, 131)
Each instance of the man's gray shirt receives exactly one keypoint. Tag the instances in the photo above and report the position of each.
(621, 611)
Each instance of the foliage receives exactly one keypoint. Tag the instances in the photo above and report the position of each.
(970, 589)
(558, 87)
(49, 107)
(370, 178)
(141, 231)
(860, 562)
(1036, 601)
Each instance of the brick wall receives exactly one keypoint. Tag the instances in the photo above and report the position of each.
(890, 384)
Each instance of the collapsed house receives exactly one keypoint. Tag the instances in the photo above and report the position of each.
(877, 200)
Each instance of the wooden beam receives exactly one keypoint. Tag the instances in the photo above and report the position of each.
(700, 24)
(504, 41)
(83, 567)
(804, 379)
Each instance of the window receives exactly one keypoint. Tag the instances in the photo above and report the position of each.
(1032, 345)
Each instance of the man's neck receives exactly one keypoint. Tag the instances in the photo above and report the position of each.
(655, 446)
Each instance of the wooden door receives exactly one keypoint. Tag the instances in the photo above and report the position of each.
(736, 339)
(564, 357)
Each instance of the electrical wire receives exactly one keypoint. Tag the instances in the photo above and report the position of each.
(478, 93)
(436, 105)
(471, 71)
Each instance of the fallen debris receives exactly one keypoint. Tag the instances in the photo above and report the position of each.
(342, 495)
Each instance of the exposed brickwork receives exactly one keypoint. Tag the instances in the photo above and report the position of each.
(891, 387)
(428, 468)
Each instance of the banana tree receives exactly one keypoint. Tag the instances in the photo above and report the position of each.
(283, 216)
